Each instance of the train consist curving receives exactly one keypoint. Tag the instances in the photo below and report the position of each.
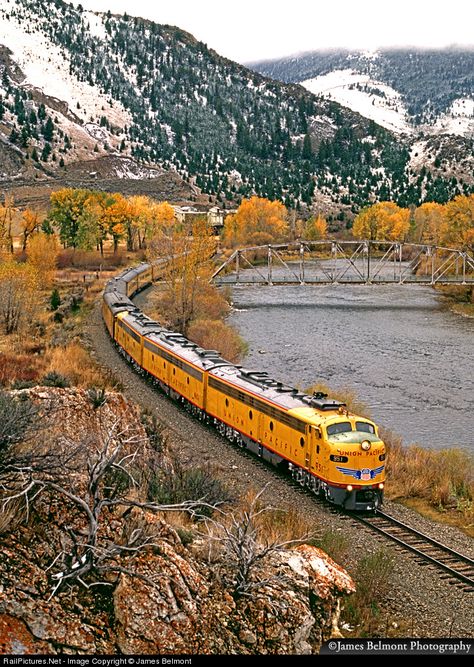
(336, 454)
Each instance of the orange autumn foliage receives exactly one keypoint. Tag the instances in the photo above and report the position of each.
(257, 221)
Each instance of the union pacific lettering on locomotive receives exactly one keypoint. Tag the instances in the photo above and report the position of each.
(336, 454)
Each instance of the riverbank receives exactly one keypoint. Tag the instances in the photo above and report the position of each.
(460, 299)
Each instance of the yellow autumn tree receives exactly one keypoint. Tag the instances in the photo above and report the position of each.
(7, 210)
(18, 296)
(163, 219)
(42, 254)
(116, 218)
(257, 221)
(316, 229)
(459, 228)
(186, 273)
(430, 223)
(30, 223)
(382, 221)
(141, 219)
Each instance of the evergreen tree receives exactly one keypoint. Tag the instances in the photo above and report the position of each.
(48, 130)
(46, 152)
(14, 136)
(307, 152)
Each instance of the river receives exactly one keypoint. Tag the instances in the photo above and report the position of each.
(407, 357)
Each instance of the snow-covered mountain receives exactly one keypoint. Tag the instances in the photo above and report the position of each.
(373, 99)
(123, 97)
(407, 91)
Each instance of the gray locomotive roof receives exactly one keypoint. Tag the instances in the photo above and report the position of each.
(284, 396)
(261, 384)
(142, 323)
(118, 300)
(130, 274)
(255, 382)
(116, 285)
(185, 349)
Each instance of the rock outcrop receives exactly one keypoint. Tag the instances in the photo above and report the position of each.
(164, 598)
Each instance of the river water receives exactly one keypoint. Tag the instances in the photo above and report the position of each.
(407, 357)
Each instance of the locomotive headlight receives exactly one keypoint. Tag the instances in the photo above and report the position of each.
(381, 485)
(365, 445)
(349, 487)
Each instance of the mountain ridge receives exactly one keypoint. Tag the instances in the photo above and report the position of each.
(446, 74)
(157, 95)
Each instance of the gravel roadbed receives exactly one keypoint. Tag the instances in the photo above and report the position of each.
(419, 600)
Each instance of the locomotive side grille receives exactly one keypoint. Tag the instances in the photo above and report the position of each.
(261, 406)
(172, 360)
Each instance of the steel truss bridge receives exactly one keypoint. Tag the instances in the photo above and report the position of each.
(347, 262)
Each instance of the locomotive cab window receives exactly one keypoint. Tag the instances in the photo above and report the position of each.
(341, 427)
(365, 427)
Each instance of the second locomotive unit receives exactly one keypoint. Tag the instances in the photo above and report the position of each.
(335, 453)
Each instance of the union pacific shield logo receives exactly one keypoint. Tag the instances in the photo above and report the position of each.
(365, 475)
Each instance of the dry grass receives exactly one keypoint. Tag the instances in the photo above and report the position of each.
(217, 335)
(91, 261)
(18, 368)
(464, 309)
(75, 364)
(444, 478)
(287, 526)
(372, 575)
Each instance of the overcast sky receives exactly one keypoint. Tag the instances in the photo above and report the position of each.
(247, 30)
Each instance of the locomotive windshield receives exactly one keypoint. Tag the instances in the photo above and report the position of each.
(346, 432)
(340, 427)
(345, 427)
(365, 427)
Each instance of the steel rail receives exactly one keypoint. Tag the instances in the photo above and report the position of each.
(417, 550)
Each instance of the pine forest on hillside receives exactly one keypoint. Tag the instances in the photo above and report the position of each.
(227, 130)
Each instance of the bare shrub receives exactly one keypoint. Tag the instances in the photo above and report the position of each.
(91, 482)
(16, 416)
(244, 546)
(194, 483)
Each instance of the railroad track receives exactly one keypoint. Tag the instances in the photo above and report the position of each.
(456, 567)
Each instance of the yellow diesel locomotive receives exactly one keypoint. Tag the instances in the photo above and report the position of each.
(336, 454)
